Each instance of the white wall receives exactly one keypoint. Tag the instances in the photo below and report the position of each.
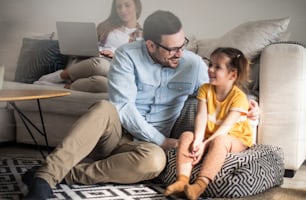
(201, 18)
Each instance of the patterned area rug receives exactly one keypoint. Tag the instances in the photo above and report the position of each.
(11, 186)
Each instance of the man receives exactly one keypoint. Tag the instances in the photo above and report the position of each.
(149, 82)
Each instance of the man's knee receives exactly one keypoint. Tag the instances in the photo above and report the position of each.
(154, 159)
(103, 107)
(107, 114)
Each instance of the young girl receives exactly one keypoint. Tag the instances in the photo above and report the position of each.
(221, 124)
(90, 74)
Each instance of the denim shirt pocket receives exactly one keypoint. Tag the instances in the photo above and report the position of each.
(145, 92)
(179, 90)
(179, 86)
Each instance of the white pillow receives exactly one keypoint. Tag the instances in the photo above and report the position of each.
(250, 37)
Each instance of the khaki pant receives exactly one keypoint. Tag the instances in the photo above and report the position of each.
(89, 75)
(112, 155)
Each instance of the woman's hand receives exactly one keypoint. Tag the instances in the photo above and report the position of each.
(107, 53)
(253, 113)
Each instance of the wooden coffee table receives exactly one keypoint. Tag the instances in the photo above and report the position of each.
(13, 95)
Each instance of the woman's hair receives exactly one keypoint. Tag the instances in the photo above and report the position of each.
(113, 21)
(238, 62)
(160, 23)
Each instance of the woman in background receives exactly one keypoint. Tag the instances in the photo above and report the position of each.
(90, 74)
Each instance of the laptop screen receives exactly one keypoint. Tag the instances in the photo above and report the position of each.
(78, 38)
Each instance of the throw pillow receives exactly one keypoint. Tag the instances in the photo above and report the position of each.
(193, 44)
(38, 57)
(250, 37)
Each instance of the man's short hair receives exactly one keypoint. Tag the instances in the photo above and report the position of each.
(160, 23)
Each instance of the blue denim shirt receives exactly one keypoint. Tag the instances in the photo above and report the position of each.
(149, 97)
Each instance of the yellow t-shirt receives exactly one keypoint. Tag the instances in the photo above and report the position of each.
(217, 111)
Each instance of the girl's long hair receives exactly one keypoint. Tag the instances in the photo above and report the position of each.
(113, 21)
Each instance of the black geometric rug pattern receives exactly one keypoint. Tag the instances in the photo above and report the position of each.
(12, 188)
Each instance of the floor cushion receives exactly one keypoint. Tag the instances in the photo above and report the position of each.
(247, 173)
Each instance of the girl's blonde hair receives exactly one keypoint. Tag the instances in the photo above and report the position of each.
(238, 62)
(113, 21)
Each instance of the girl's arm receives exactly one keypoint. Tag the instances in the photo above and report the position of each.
(200, 124)
(226, 125)
(197, 147)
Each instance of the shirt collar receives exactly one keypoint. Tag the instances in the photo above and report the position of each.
(146, 53)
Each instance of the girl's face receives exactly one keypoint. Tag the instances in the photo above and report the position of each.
(218, 73)
(126, 10)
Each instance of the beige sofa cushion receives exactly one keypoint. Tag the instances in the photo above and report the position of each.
(250, 37)
(74, 104)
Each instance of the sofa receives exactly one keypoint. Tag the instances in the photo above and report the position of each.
(278, 74)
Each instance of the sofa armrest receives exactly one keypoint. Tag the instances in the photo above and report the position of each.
(282, 99)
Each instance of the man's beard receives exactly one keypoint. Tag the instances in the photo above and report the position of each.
(164, 64)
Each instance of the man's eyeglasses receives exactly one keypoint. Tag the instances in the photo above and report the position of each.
(174, 50)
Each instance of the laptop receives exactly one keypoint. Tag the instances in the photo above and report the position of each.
(77, 38)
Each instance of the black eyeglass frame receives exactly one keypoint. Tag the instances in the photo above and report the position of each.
(173, 50)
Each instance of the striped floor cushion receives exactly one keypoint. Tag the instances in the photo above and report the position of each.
(247, 173)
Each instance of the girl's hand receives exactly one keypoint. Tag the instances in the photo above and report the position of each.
(195, 145)
(107, 53)
(197, 154)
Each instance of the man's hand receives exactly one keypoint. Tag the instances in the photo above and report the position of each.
(169, 143)
(253, 113)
